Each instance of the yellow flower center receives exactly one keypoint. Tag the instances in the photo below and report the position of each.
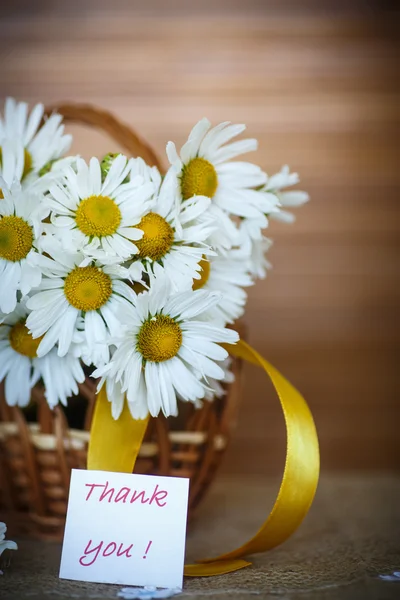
(16, 238)
(22, 341)
(199, 178)
(159, 339)
(157, 239)
(1, 194)
(28, 163)
(87, 288)
(204, 275)
(98, 216)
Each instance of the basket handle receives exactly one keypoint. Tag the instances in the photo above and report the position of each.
(105, 121)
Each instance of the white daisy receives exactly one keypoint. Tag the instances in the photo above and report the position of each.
(99, 217)
(72, 297)
(257, 262)
(148, 592)
(11, 162)
(251, 230)
(138, 167)
(228, 275)
(276, 184)
(5, 544)
(42, 144)
(21, 224)
(215, 388)
(163, 350)
(252, 249)
(21, 368)
(203, 168)
(174, 239)
(150, 174)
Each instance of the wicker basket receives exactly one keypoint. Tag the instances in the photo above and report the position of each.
(39, 448)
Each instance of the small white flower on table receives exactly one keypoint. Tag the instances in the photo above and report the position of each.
(5, 544)
(147, 592)
(395, 576)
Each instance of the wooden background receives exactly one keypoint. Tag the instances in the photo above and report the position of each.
(315, 82)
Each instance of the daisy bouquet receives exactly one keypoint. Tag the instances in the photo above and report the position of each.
(110, 264)
(134, 277)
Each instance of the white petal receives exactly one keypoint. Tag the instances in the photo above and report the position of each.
(190, 304)
(293, 198)
(172, 154)
(232, 150)
(153, 388)
(67, 331)
(95, 176)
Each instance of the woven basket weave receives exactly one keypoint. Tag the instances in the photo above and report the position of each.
(37, 455)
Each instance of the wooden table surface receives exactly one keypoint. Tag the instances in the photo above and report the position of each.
(316, 83)
(348, 542)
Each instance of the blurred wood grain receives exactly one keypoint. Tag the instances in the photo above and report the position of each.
(316, 84)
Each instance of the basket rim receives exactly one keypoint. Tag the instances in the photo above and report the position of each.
(102, 119)
(76, 439)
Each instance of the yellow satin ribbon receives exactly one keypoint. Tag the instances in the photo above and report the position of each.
(114, 446)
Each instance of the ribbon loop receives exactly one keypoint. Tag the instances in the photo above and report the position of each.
(300, 477)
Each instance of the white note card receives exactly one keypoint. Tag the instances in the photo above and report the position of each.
(125, 529)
